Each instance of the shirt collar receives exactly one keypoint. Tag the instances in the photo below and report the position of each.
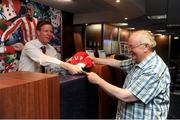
(40, 44)
(142, 63)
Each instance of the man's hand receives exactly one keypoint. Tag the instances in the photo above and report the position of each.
(73, 69)
(18, 46)
(93, 78)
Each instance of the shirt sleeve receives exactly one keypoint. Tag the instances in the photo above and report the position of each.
(14, 26)
(126, 65)
(36, 55)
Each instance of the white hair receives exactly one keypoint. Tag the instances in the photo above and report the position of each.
(147, 37)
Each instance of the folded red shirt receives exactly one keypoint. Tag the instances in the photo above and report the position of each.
(81, 59)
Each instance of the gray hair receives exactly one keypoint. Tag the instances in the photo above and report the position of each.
(147, 38)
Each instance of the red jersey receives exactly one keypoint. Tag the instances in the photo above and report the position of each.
(28, 27)
(81, 59)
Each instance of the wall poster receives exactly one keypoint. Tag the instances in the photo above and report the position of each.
(15, 25)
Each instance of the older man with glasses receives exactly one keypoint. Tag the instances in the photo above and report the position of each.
(146, 91)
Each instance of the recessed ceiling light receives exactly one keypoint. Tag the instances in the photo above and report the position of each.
(176, 37)
(122, 24)
(117, 1)
(125, 18)
(173, 25)
(131, 28)
(158, 34)
(157, 17)
(160, 30)
(64, 0)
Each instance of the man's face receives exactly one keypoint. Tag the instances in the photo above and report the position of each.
(30, 11)
(45, 34)
(136, 49)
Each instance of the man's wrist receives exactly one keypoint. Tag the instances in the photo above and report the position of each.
(61, 63)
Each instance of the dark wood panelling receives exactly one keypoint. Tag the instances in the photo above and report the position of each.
(68, 47)
(94, 37)
(162, 47)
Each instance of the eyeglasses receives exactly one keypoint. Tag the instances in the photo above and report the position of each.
(132, 47)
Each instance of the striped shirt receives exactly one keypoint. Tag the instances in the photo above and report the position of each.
(149, 81)
(28, 27)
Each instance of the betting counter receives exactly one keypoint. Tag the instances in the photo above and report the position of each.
(28, 95)
(81, 99)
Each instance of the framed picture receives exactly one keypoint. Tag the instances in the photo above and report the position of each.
(123, 48)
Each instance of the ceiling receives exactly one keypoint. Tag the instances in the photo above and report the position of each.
(137, 12)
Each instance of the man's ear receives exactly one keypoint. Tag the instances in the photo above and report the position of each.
(146, 47)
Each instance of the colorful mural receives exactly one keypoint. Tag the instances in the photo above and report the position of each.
(14, 23)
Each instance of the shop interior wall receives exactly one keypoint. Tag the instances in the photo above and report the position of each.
(68, 48)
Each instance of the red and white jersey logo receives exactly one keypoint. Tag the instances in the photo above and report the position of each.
(82, 59)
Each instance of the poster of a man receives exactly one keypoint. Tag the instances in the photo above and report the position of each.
(17, 30)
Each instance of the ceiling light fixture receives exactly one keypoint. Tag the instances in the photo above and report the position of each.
(64, 0)
(176, 37)
(117, 1)
(131, 28)
(160, 30)
(157, 17)
(122, 24)
(173, 25)
(157, 34)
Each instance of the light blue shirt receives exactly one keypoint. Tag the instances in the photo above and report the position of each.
(149, 81)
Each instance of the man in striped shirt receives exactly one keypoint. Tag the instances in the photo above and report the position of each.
(28, 25)
(146, 91)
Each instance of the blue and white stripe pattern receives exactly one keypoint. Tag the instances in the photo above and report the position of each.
(149, 81)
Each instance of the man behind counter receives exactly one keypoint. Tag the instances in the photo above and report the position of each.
(32, 57)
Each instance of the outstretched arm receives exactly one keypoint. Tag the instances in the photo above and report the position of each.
(36, 55)
(107, 61)
(14, 26)
(120, 93)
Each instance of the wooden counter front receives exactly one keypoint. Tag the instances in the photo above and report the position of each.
(28, 95)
